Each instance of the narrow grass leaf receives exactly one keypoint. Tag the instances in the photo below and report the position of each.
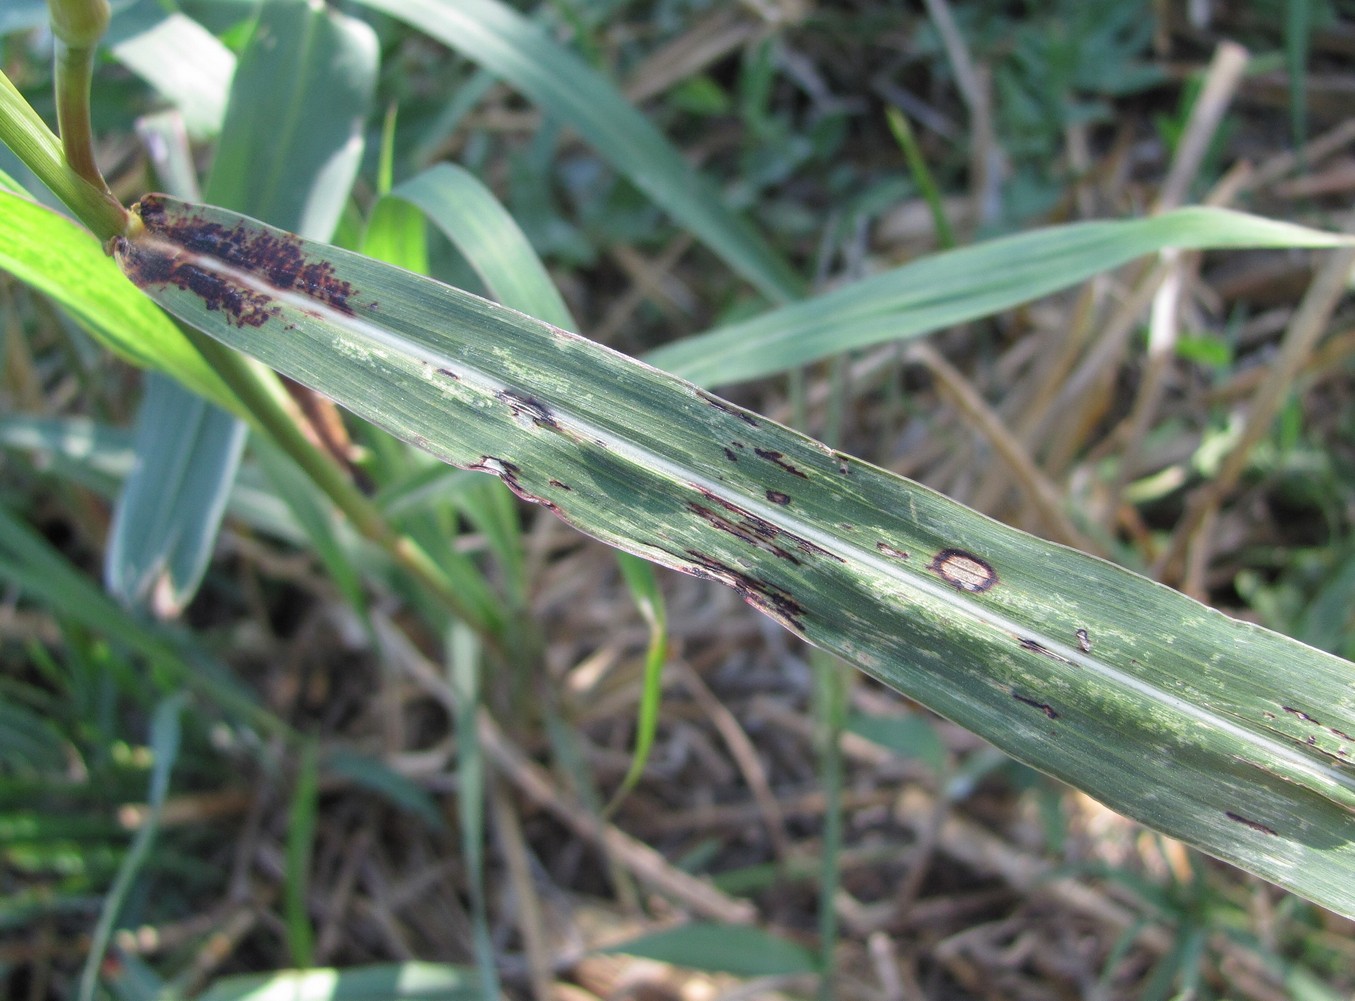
(167, 516)
(301, 822)
(958, 286)
(1230, 737)
(100, 457)
(463, 676)
(293, 135)
(394, 982)
(164, 747)
(177, 56)
(830, 719)
(643, 585)
(508, 45)
(742, 950)
(63, 260)
(471, 217)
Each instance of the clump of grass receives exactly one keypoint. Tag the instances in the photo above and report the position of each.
(384, 759)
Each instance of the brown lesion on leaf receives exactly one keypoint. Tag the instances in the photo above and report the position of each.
(277, 258)
(776, 458)
(763, 595)
(963, 570)
(1044, 707)
(148, 265)
(777, 497)
(1308, 718)
(758, 530)
(891, 551)
(1084, 640)
(741, 531)
(1255, 825)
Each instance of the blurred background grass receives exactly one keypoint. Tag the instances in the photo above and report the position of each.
(315, 801)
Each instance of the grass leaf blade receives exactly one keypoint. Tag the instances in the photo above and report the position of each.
(942, 290)
(556, 80)
(167, 516)
(1230, 737)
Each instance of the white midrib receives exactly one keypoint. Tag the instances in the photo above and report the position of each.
(491, 387)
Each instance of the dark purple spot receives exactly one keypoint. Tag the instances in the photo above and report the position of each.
(777, 497)
(1044, 707)
(1255, 825)
(775, 457)
(761, 594)
(276, 257)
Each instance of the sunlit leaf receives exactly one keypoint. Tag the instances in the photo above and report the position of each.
(958, 286)
(1230, 737)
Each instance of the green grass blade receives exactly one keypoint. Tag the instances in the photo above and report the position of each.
(643, 585)
(64, 261)
(471, 217)
(320, 84)
(167, 516)
(463, 676)
(293, 135)
(562, 85)
(958, 286)
(300, 840)
(164, 745)
(831, 688)
(180, 58)
(738, 949)
(166, 520)
(1230, 737)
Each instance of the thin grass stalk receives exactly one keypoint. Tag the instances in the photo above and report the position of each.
(164, 744)
(1039, 491)
(301, 824)
(830, 711)
(922, 176)
(530, 917)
